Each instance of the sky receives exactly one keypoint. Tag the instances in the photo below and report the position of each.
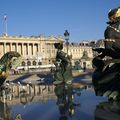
(84, 19)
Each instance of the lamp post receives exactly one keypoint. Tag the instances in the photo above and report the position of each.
(5, 20)
(66, 34)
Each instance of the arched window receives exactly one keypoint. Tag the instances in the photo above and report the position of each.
(23, 63)
(28, 63)
(39, 63)
(34, 62)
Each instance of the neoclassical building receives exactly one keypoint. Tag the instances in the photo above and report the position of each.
(40, 50)
(77, 51)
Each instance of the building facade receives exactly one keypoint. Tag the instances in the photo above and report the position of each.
(76, 50)
(40, 50)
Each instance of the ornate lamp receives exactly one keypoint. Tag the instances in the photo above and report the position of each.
(66, 34)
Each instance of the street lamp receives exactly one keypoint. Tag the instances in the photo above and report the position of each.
(66, 34)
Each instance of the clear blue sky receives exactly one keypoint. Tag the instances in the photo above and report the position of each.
(84, 19)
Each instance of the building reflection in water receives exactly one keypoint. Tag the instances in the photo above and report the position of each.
(109, 110)
(5, 112)
(18, 94)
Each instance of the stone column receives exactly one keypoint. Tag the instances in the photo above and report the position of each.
(10, 46)
(17, 47)
(39, 48)
(33, 49)
(4, 48)
(28, 49)
(23, 49)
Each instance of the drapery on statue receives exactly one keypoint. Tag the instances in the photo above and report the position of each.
(106, 77)
(6, 63)
(63, 72)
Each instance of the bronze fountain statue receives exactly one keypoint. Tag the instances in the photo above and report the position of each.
(106, 77)
(6, 63)
(63, 71)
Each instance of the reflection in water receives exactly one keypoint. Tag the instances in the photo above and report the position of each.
(18, 117)
(65, 100)
(5, 112)
(18, 94)
(108, 111)
(14, 96)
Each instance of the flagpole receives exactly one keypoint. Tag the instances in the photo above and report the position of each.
(5, 20)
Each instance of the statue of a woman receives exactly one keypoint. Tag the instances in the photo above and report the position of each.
(106, 77)
(63, 72)
(112, 32)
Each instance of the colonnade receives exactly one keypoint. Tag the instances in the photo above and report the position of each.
(19, 93)
(25, 49)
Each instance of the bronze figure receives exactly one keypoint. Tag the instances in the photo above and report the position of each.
(106, 77)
